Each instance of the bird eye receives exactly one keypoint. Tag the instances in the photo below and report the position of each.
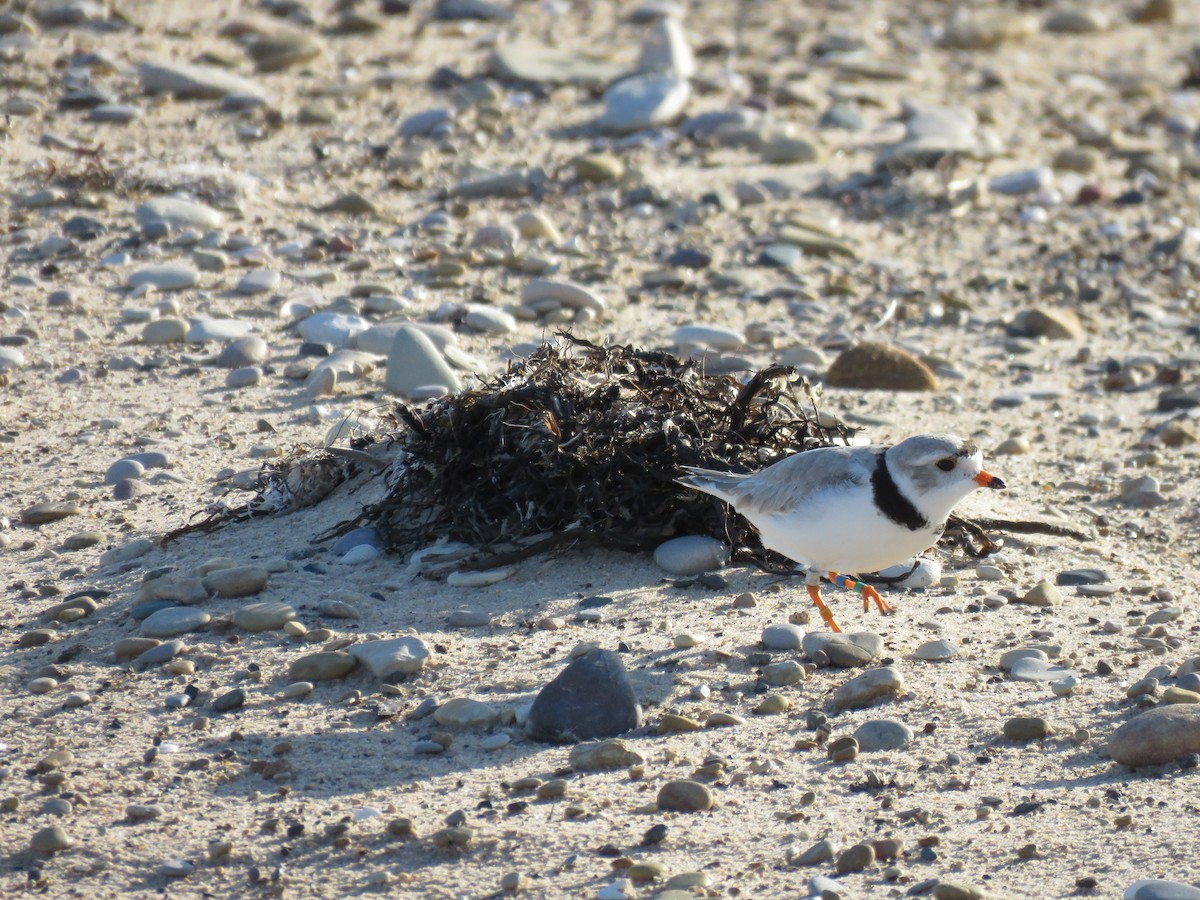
(946, 465)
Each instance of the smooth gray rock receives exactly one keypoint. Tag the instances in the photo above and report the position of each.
(189, 81)
(864, 689)
(931, 132)
(1030, 668)
(643, 101)
(527, 61)
(1157, 736)
(122, 469)
(164, 278)
(783, 637)
(883, 734)
(691, 554)
(266, 615)
(179, 212)
(244, 351)
(260, 281)
(175, 620)
(590, 698)
(414, 362)
(392, 658)
(1159, 889)
(205, 329)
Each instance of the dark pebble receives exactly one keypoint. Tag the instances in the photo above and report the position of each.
(229, 701)
(1073, 577)
(590, 698)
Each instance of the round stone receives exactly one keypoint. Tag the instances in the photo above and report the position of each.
(51, 839)
(327, 665)
(783, 637)
(174, 620)
(236, 581)
(267, 615)
(684, 795)
(883, 734)
(1026, 728)
(691, 555)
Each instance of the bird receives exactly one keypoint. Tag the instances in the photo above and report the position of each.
(842, 509)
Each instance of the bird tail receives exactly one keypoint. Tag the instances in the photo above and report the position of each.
(710, 481)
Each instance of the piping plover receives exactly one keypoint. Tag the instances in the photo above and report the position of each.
(853, 509)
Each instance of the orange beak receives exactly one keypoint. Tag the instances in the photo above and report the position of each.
(983, 479)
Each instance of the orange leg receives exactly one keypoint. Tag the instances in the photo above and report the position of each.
(814, 591)
(868, 593)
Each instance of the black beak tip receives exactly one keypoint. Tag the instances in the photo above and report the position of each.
(997, 484)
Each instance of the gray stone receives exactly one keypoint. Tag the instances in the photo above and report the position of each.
(164, 277)
(174, 620)
(783, 637)
(844, 650)
(247, 376)
(51, 839)
(931, 133)
(691, 555)
(205, 329)
(602, 756)
(883, 734)
(236, 581)
(178, 212)
(786, 671)
(1157, 736)
(527, 61)
(464, 712)
(188, 81)
(414, 362)
(468, 618)
(260, 281)
(122, 469)
(244, 351)
(1159, 889)
(392, 658)
(643, 101)
(164, 331)
(267, 615)
(542, 293)
(864, 689)
(327, 665)
(1031, 668)
(156, 656)
(590, 698)
(936, 650)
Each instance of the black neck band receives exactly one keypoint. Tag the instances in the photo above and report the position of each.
(891, 502)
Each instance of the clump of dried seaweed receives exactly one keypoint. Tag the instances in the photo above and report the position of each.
(582, 444)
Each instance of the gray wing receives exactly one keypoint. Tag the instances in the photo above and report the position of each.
(784, 485)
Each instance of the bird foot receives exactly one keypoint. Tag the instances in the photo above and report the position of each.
(826, 613)
(869, 593)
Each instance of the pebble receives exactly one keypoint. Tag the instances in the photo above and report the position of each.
(229, 701)
(643, 101)
(159, 654)
(591, 698)
(122, 469)
(193, 81)
(392, 658)
(49, 511)
(1033, 669)
(178, 212)
(936, 650)
(326, 665)
(36, 637)
(1157, 736)
(414, 362)
(875, 366)
(247, 376)
(167, 623)
(691, 555)
(783, 637)
(164, 331)
(818, 854)
(205, 329)
(244, 351)
(855, 859)
(1043, 594)
(465, 712)
(1026, 728)
(883, 734)
(267, 615)
(468, 618)
(164, 278)
(1160, 889)
(684, 795)
(544, 294)
(931, 133)
(42, 685)
(864, 689)
(784, 672)
(236, 581)
(843, 650)
(1010, 657)
(51, 839)
(601, 756)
